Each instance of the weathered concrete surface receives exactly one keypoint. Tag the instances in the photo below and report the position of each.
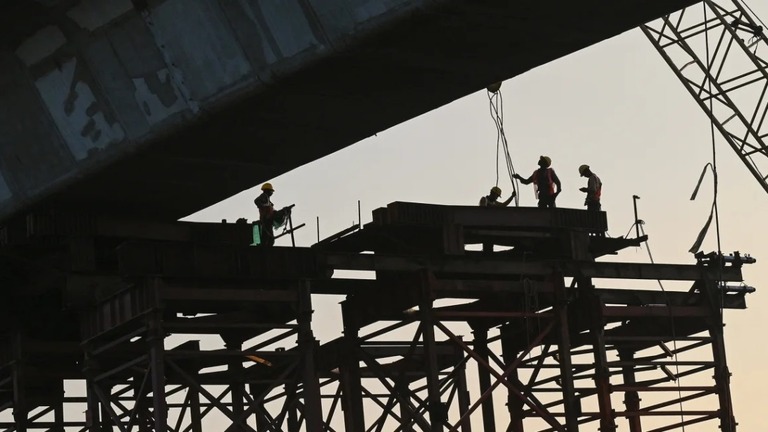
(158, 108)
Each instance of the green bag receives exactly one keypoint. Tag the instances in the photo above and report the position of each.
(256, 235)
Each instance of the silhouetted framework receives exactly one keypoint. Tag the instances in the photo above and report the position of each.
(185, 327)
(717, 50)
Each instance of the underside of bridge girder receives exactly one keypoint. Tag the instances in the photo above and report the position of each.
(355, 85)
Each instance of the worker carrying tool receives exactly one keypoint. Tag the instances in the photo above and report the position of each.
(544, 181)
(492, 199)
(268, 217)
(593, 190)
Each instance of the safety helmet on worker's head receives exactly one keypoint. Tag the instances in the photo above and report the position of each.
(583, 169)
(545, 161)
(496, 191)
(267, 187)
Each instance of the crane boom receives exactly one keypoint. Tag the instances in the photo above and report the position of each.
(718, 51)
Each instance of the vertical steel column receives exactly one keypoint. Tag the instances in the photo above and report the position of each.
(292, 403)
(262, 424)
(92, 401)
(401, 387)
(143, 418)
(141, 412)
(631, 397)
(463, 394)
(722, 375)
(20, 408)
(155, 339)
(570, 403)
(722, 381)
(437, 411)
(514, 403)
(237, 386)
(484, 378)
(107, 423)
(352, 393)
(58, 417)
(195, 416)
(313, 409)
(602, 372)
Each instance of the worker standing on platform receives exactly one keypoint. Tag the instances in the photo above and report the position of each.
(492, 199)
(593, 190)
(544, 181)
(266, 214)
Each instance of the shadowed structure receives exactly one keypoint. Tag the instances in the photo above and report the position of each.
(157, 109)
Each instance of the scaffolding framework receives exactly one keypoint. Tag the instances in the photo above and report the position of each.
(444, 338)
(718, 51)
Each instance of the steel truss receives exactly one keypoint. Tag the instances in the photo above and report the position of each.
(194, 330)
(556, 367)
(718, 51)
(32, 388)
(129, 364)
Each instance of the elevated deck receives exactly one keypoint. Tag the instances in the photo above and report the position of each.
(537, 321)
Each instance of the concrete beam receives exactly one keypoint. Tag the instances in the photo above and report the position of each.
(117, 105)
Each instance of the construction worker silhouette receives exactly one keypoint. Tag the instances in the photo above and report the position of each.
(544, 181)
(492, 199)
(593, 190)
(266, 214)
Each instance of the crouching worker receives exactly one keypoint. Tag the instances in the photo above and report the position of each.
(492, 200)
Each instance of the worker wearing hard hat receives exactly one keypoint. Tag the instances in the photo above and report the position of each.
(492, 199)
(266, 214)
(544, 181)
(593, 190)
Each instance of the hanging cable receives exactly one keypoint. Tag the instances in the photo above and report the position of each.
(672, 329)
(712, 133)
(715, 210)
(715, 188)
(496, 107)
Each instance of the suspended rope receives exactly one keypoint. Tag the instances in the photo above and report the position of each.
(715, 185)
(672, 329)
(496, 108)
(714, 211)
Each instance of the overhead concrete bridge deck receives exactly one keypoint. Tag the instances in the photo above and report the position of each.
(158, 108)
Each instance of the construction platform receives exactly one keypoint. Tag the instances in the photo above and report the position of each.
(133, 325)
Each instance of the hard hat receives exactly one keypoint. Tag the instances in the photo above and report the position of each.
(267, 186)
(547, 161)
(496, 190)
(583, 169)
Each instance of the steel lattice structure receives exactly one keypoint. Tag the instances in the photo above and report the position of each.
(444, 338)
(718, 51)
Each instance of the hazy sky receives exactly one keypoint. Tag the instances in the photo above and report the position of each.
(615, 106)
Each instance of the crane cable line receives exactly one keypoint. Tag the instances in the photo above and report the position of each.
(496, 108)
(672, 329)
(714, 211)
(719, 281)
